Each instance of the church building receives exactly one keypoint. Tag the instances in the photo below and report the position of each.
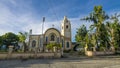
(52, 35)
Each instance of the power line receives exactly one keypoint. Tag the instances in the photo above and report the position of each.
(50, 3)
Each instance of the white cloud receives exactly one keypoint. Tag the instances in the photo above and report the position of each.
(16, 21)
(12, 22)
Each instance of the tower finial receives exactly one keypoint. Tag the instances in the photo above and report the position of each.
(65, 17)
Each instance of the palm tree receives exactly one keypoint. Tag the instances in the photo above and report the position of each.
(111, 30)
(114, 31)
(22, 38)
(98, 16)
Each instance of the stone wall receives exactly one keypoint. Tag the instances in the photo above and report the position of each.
(29, 55)
(91, 53)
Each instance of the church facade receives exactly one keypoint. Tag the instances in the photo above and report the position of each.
(52, 35)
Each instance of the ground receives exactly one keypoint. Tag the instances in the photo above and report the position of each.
(76, 62)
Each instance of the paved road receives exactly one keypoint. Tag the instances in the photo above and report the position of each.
(96, 62)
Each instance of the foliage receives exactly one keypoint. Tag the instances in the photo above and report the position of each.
(88, 41)
(114, 30)
(13, 39)
(98, 16)
(51, 45)
(10, 39)
(102, 34)
(22, 38)
(82, 52)
(1, 40)
(80, 34)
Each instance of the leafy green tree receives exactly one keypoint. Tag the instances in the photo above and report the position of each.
(81, 34)
(22, 38)
(104, 37)
(10, 39)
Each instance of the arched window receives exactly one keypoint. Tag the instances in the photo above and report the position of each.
(46, 39)
(52, 37)
(33, 43)
(67, 44)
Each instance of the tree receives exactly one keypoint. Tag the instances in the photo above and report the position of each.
(10, 39)
(98, 17)
(22, 38)
(81, 34)
(116, 28)
(0, 40)
(114, 31)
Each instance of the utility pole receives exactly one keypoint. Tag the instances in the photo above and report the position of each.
(42, 32)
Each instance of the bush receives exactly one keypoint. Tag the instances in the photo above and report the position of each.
(82, 52)
(51, 45)
(102, 48)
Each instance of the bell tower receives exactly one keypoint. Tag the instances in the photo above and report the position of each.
(66, 33)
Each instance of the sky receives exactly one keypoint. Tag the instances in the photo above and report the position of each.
(23, 15)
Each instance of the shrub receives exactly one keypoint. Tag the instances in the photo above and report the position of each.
(82, 52)
(51, 45)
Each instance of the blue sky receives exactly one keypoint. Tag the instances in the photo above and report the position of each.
(23, 15)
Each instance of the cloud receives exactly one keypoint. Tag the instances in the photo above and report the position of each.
(16, 22)
(11, 21)
(16, 16)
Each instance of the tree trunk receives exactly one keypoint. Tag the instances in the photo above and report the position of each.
(24, 47)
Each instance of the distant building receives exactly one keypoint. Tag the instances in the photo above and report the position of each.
(52, 35)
